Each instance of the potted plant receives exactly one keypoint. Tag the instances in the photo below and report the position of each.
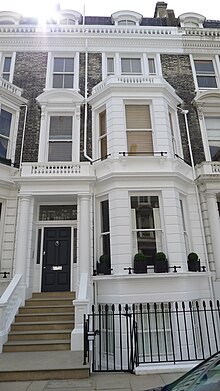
(103, 266)
(140, 263)
(193, 262)
(160, 263)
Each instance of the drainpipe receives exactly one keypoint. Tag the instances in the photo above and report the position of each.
(23, 134)
(185, 112)
(86, 104)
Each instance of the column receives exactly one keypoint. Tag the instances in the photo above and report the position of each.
(84, 234)
(214, 229)
(22, 237)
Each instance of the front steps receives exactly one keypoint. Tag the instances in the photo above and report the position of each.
(44, 323)
(38, 346)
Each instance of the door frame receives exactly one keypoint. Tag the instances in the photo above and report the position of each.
(50, 224)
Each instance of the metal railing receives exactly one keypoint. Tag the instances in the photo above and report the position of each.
(120, 337)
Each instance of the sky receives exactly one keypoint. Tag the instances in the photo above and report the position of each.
(210, 9)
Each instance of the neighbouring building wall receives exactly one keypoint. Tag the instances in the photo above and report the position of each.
(177, 71)
(30, 75)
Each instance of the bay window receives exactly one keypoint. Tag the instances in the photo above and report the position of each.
(213, 133)
(105, 228)
(131, 65)
(139, 130)
(146, 226)
(5, 128)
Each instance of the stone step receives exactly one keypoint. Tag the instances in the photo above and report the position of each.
(46, 309)
(44, 325)
(69, 295)
(36, 346)
(44, 317)
(30, 366)
(47, 302)
(39, 335)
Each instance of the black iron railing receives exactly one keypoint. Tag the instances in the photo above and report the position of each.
(120, 337)
(143, 153)
(5, 274)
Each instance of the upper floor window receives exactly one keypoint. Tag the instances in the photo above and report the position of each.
(63, 72)
(103, 134)
(6, 68)
(139, 130)
(130, 65)
(60, 138)
(110, 66)
(5, 129)
(67, 21)
(205, 74)
(7, 62)
(117, 64)
(126, 22)
(213, 133)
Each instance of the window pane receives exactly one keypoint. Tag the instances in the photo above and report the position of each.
(58, 64)
(57, 81)
(151, 65)
(3, 147)
(125, 65)
(102, 123)
(57, 212)
(5, 123)
(60, 151)
(138, 117)
(110, 66)
(69, 65)
(7, 64)
(215, 152)
(60, 128)
(135, 65)
(139, 142)
(204, 66)
(144, 214)
(207, 81)
(68, 81)
(104, 147)
(105, 216)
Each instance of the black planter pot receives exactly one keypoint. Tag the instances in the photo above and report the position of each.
(140, 266)
(193, 265)
(161, 266)
(103, 268)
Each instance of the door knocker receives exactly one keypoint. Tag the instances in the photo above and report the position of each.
(57, 243)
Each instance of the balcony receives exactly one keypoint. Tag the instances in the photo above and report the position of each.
(56, 170)
(9, 87)
(208, 170)
(131, 81)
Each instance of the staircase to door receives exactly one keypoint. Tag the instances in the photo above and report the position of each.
(39, 342)
(44, 323)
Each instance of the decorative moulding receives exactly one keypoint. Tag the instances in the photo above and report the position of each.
(8, 17)
(126, 15)
(191, 19)
(70, 15)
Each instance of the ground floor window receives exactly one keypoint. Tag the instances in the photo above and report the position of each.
(146, 225)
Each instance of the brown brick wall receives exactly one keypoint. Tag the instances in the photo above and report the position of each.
(30, 75)
(177, 71)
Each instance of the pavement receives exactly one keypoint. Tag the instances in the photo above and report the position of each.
(96, 382)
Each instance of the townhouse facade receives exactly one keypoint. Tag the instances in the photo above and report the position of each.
(109, 146)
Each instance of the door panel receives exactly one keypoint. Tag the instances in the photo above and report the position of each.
(56, 259)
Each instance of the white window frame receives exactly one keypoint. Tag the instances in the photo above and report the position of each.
(216, 74)
(157, 231)
(144, 62)
(51, 140)
(2, 61)
(50, 65)
(175, 132)
(13, 130)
